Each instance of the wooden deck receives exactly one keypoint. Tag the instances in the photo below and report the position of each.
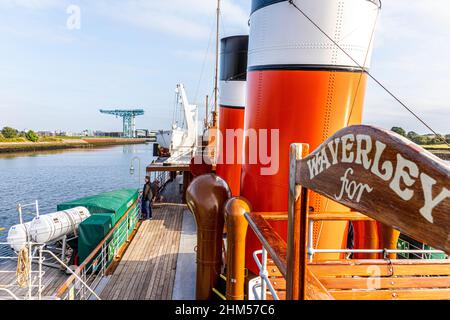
(147, 269)
(52, 279)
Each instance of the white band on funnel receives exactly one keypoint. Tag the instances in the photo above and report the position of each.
(233, 94)
(281, 36)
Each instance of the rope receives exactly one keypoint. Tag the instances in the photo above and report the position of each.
(439, 136)
(389, 261)
(23, 268)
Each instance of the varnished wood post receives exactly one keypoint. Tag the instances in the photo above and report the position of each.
(297, 229)
(237, 226)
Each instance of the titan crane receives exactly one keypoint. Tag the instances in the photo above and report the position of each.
(129, 120)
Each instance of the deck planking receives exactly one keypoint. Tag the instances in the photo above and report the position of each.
(51, 280)
(147, 269)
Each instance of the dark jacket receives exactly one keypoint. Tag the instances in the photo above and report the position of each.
(147, 194)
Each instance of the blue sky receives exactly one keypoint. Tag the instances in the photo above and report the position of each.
(132, 53)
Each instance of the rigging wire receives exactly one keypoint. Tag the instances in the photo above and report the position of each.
(365, 62)
(204, 63)
(222, 23)
(439, 136)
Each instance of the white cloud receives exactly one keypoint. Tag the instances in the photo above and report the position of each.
(411, 59)
(184, 18)
(195, 55)
(30, 4)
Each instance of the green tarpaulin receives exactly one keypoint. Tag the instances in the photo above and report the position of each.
(106, 211)
(91, 232)
(116, 202)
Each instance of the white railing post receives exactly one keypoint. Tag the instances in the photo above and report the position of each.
(40, 274)
(263, 274)
(310, 248)
(83, 278)
(103, 259)
(30, 271)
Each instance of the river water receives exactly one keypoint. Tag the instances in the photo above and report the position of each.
(59, 176)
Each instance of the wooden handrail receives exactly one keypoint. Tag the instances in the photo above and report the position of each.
(95, 252)
(314, 289)
(270, 239)
(339, 216)
(318, 216)
(274, 216)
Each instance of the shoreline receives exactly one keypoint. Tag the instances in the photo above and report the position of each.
(87, 143)
(441, 154)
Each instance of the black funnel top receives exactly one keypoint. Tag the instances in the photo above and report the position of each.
(233, 58)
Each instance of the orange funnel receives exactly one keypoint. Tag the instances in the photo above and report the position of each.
(233, 76)
(303, 88)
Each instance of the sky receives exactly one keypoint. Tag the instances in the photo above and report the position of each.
(132, 53)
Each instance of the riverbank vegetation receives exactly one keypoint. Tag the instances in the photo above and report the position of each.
(428, 141)
(12, 140)
(8, 134)
(12, 135)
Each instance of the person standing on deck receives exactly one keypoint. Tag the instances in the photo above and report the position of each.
(147, 196)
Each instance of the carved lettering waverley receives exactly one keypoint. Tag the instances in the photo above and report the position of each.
(386, 177)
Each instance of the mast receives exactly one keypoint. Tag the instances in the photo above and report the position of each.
(207, 112)
(216, 80)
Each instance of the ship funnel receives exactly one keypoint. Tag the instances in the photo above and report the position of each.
(233, 86)
(306, 80)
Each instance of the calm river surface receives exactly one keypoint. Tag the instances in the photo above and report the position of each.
(58, 176)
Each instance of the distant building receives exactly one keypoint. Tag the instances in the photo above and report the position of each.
(142, 133)
(68, 134)
(108, 134)
(88, 133)
(46, 133)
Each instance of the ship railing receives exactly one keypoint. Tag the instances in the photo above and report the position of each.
(30, 286)
(207, 152)
(264, 282)
(263, 288)
(420, 253)
(163, 177)
(184, 154)
(305, 276)
(87, 281)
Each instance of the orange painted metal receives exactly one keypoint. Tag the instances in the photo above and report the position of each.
(230, 169)
(388, 239)
(366, 237)
(200, 165)
(206, 197)
(305, 106)
(237, 226)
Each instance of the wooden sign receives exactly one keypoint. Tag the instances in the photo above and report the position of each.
(386, 177)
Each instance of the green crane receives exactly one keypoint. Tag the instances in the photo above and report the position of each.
(129, 120)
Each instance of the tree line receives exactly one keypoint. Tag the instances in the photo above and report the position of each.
(429, 139)
(8, 133)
